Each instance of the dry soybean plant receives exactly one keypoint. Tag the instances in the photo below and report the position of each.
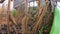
(22, 21)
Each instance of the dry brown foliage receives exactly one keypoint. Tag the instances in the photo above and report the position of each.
(24, 18)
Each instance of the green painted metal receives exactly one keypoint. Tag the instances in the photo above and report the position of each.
(56, 23)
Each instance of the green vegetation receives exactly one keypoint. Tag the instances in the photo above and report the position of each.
(14, 12)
